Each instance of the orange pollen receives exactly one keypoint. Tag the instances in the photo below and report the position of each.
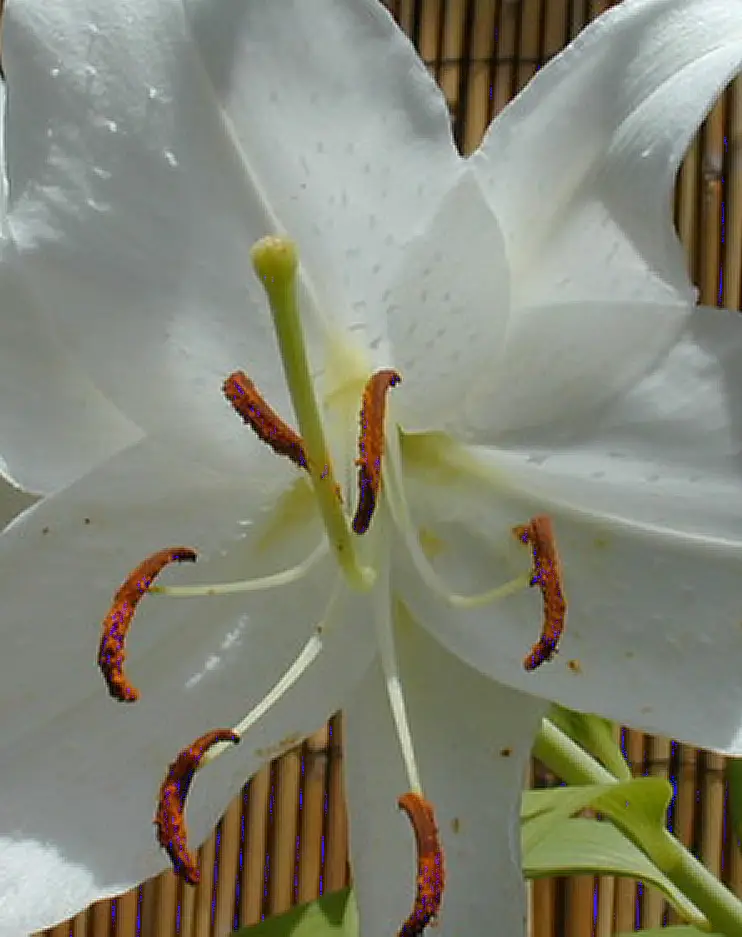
(431, 875)
(371, 445)
(262, 419)
(172, 833)
(111, 653)
(547, 575)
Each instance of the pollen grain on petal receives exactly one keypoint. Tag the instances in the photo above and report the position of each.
(267, 425)
(431, 877)
(538, 533)
(371, 445)
(172, 833)
(111, 653)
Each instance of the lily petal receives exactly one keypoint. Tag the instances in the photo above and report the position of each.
(137, 265)
(49, 406)
(199, 663)
(652, 610)
(137, 189)
(579, 171)
(336, 143)
(670, 452)
(459, 720)
(444, 328)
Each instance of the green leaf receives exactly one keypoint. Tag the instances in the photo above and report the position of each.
(734, 789)
(575, 846)
(334, 914)
(595, 735)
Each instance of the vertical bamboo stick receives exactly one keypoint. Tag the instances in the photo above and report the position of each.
(579, 17)
(712, 160)
(685, 802)
(429, 48)
(229, 849)
(453, 32)
(482, 51)
(312, 817)
(556, 18)
(60, 930)
(503, 78)
(653, 902)
(204, 891)
(336, 821)
(80, 925)
(256, 837)
(283, 867)
(187, 906)
(127, 907)
(580, 905)
(158, 905)
(732, 250)
(606, 887)
(100, 919)
(712, 825)
(626, 890)
(529, 41)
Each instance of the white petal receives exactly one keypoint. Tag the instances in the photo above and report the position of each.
(447, 311)
(562, 364)
(134, 203)
(473, 740)
(651, 610)
(598, 134)
(132, 210)
(81, 772)
(579, 171)
(353, 158)
(670, 452)
(54, 424)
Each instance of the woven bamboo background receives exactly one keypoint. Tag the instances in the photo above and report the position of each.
(283, 840)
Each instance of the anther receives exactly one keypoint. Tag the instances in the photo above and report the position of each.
(430, 868)
(371, 445)
(267, 425)
(547, 575)
(111, 653)
(172, 833)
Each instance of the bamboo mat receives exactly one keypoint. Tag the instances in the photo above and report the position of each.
(283, 840)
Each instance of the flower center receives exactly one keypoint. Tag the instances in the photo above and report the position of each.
(381, 509)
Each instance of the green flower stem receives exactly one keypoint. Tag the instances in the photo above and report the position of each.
(575, 766)
(276, 262)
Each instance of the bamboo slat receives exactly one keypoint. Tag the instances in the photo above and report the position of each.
(285, 837)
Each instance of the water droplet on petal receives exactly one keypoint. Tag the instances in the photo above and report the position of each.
(55, 71)
(170, 158)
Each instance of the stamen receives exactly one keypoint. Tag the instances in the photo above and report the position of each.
(276, 263)
(172, 833)
(111, 653)
(307, 656)
(272, 581)
(400, 511)
(431, 877)
(547, 575)
(371, 445)
(262, 419)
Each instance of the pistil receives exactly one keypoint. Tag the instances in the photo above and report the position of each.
(276, 263)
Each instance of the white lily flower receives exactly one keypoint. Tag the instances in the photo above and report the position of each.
(534, 300)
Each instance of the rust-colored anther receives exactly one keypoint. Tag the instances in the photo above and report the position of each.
(111, 653)
(547, 575)
(371, 445)
(262, 419)
(431, 875)
(172, 833)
